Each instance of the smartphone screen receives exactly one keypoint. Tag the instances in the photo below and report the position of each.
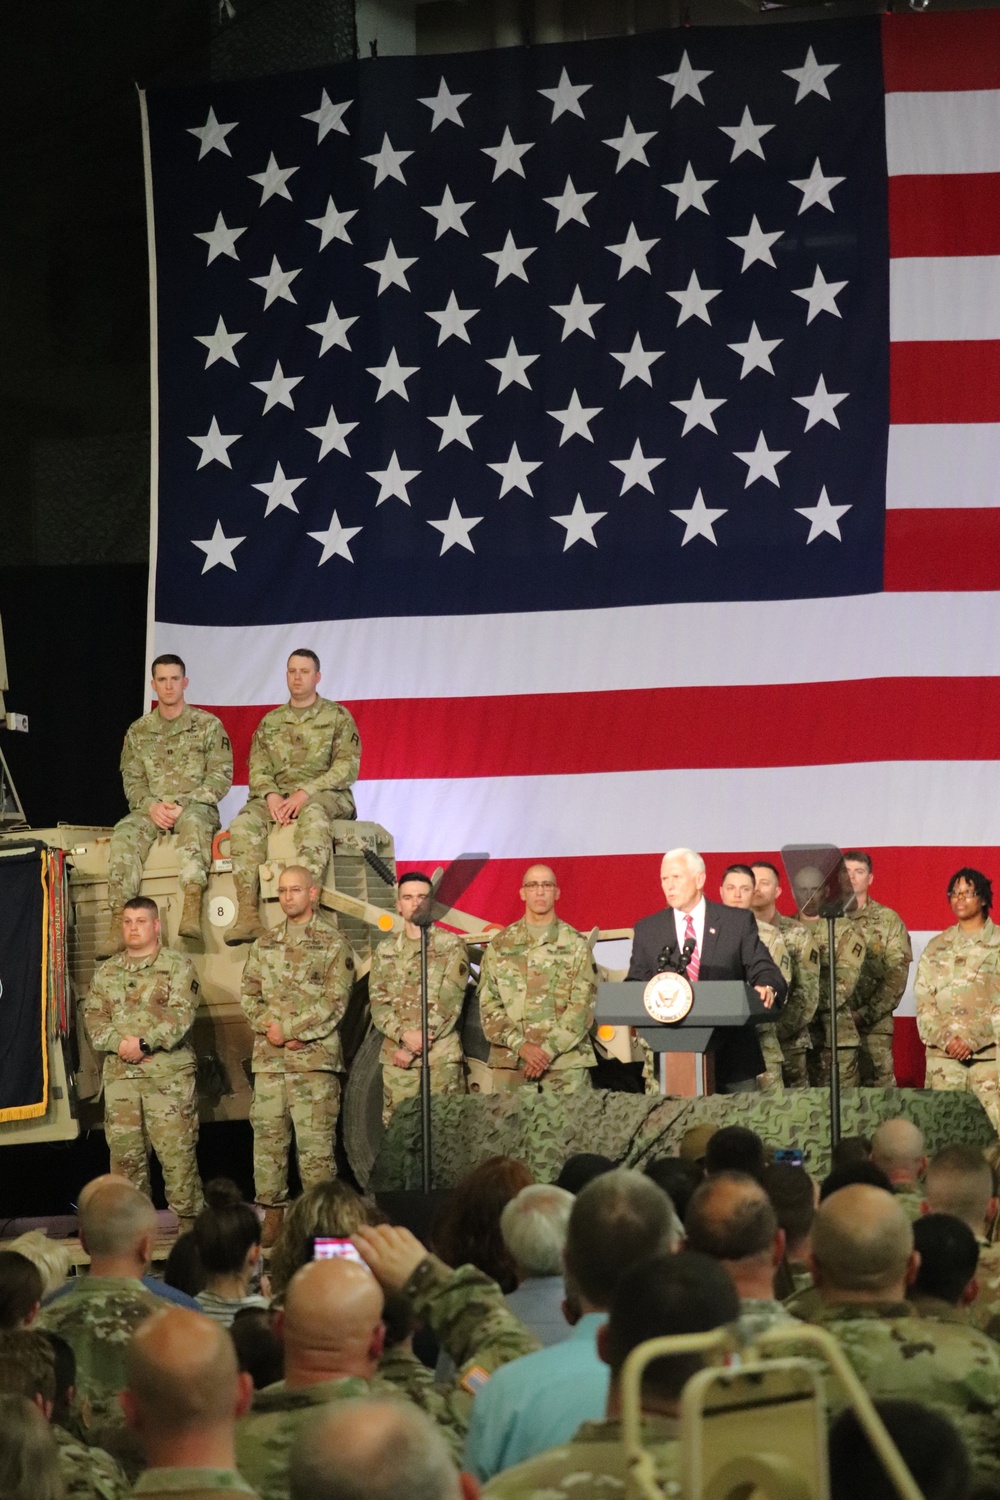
(791, 1156)
(326, 1247)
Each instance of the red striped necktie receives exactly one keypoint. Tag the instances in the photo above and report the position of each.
(694, 962)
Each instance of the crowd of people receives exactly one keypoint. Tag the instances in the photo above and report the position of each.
(492, 1360)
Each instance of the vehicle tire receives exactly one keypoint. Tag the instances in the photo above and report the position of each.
(361, 1111)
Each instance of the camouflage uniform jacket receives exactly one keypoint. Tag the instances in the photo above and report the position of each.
(885, 969)
(315, 751)
(465, 1309)
(592, 1464)
(394, 992)
(97, 1319)
(985, 1311)
(305, 985)
(957, 989)
(187, 759)
(154, 998)
(541, 990)
(802, 1000)
(943, 1364)
(851, 952)
(89, 1473)
(190, 1484)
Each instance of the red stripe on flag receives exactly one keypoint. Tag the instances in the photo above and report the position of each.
(941, 551)
(942, 216)
(661, 729)
(954, 50)
(909, 1059)
(931, 381)
(615, 890)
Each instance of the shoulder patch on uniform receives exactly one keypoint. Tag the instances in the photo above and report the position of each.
(194, 986)
(473, 1380)
(349, 962)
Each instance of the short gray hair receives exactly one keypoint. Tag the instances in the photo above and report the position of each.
(618, 1219)
(372, 1450)
(534, 1226)
(692, 857)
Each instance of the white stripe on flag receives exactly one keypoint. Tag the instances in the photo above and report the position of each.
(944, 297)
(654, 646)
(644, 812)
(931, 134)
(907, 1006)
(946, 466)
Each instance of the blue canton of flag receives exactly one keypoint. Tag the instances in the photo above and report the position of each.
(536, 329)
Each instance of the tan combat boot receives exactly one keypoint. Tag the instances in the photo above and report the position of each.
(247, 926)
(190, 924)
(112, 942)
(271, 1227)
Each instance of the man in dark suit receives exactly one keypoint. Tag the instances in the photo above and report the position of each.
(727, 945)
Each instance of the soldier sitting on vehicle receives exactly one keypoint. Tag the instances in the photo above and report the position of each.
(394, 995)
(177, 764)
(304, 759)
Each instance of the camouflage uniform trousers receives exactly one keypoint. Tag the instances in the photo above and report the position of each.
(162, 1113)
(404, 1083)
(135, 835)
(313, 835)
(818, 1063)
(875, 1059)
(555, 1081)
(311, 1103)
(771, 1081)
(979, 1078)
(795, 1067)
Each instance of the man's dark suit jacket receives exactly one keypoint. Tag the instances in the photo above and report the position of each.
(731, 949)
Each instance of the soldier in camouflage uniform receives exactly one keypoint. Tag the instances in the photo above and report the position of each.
(537, 990)
(957, 990)
(883, 976)
(183, 1395)
(139, 1012)
(177, 764)
(394, 996)
(737, 889)
(862, 1246)
(802, 1000)
(100, 1312)
(27, 1368)
(304, 759)
(296, 985)
(959, 1182)
(330, 1307)
(810, 884)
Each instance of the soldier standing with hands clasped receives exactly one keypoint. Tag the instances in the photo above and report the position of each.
(394, 993)
(140, 1011)
(296, 985)
(537, 989)
(957, 990)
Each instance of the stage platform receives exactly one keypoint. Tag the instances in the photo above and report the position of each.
(542, 1130)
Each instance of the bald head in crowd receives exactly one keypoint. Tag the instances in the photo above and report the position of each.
(731, 1218)
(117, 1227)
(898, 1148)
(374, 1450)
(862, 1246)
(331, 1322)
(959, 1182)
(184, 1390)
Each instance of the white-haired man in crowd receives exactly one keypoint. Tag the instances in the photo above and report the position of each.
(534, 1227)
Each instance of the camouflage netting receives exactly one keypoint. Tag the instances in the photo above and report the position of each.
(542, 1131)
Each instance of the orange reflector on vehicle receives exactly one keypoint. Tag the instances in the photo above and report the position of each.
(605, 1033)
(385, 922)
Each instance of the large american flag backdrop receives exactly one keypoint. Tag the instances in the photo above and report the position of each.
(620, 423)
